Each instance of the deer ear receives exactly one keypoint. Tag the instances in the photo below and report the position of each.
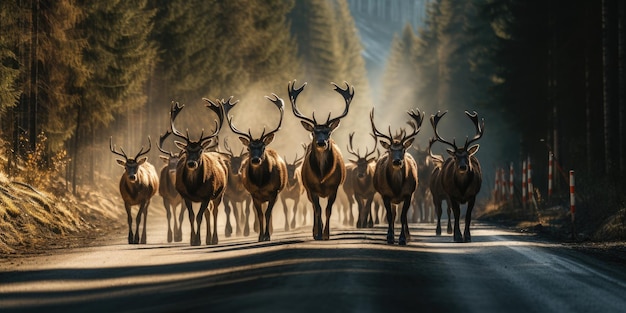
(142, 160)
(244, 141)
(268, 139)
(307, 126)
(370, 160)
(408, 143)
(164, 159)
(384, 144)
(451, 152)
(334, 125)
(473, 149)
(122, 163)
(180, 145)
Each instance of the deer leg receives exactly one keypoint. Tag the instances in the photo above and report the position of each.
(144, 212)
(391, 216)
(268, 217)
(368, 208)
(258, 208)
(329, 211)
(129, 216)
(285, 211)
(203, 207)
(448, 210)
(246, 226)
(468, 219)
(317, 217)
(361, 220)
(228, 229)
(215, 211)
(457, 212)
(178, 236)
(137, 223)
(237, 208)
(168, 213)
(192, 220)
(405, 235)
(294, 212)
(438, 211)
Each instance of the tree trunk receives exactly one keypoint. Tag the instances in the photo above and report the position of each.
(607, 65)
(75, 148)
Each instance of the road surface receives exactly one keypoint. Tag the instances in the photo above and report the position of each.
(355, 271)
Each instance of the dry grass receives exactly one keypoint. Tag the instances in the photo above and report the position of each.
(31, 219)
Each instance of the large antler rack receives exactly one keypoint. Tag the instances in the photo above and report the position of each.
(162, 140)
(357, 154)
(278, 102)
(347, 94)
(113, 149)
(479, 127)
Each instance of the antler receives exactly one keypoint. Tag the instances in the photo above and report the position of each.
(227, 107)
(347, 95)
(123, 154)
(174, 110)
(416, 123)
(349, 147)
(114, 149)
(162, 140)
(293, 95)
(431, 141)
(280, 104)
(141, 152)
(378, 133)
(434, 120)
(479, 127)
(218, 109)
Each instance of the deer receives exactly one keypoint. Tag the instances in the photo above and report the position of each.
(201, 175)
(436, 189)
(395, 176)
(422, 211)
(138, 184)
(236, 193)
(263, 172)
(461, 175)
(361, 181)
(167, 190)
(323, 169)
(293, 189)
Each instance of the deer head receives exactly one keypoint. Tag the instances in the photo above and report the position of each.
(235, 160)
(193, 149)
(256, 147)
(131, 165)
(461, 155)
(397, 145)
(361, 162)
(321, 132)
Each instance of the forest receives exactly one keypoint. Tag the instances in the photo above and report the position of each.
(547, 76)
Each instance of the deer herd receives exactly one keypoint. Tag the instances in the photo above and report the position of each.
(400, 178)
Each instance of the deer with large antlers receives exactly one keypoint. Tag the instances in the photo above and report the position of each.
(395, 177)
(461, 176)
(235, 194)
(293, 189)
(362, 182)
(323, 169)
(263, 172)
(137, 186)
(201, 175)
(167, 189)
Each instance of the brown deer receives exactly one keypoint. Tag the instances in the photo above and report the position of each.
(421, 208)
(362, 184)
(323, 169)
(395, 177)
(137, 186)
(348, 190)
(461, 176)
(167, 189)
(263, 172)
(201, 176)
(235, 194)
(436, 189)
(293, 189)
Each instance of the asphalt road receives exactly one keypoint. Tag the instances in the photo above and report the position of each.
(355, 271)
